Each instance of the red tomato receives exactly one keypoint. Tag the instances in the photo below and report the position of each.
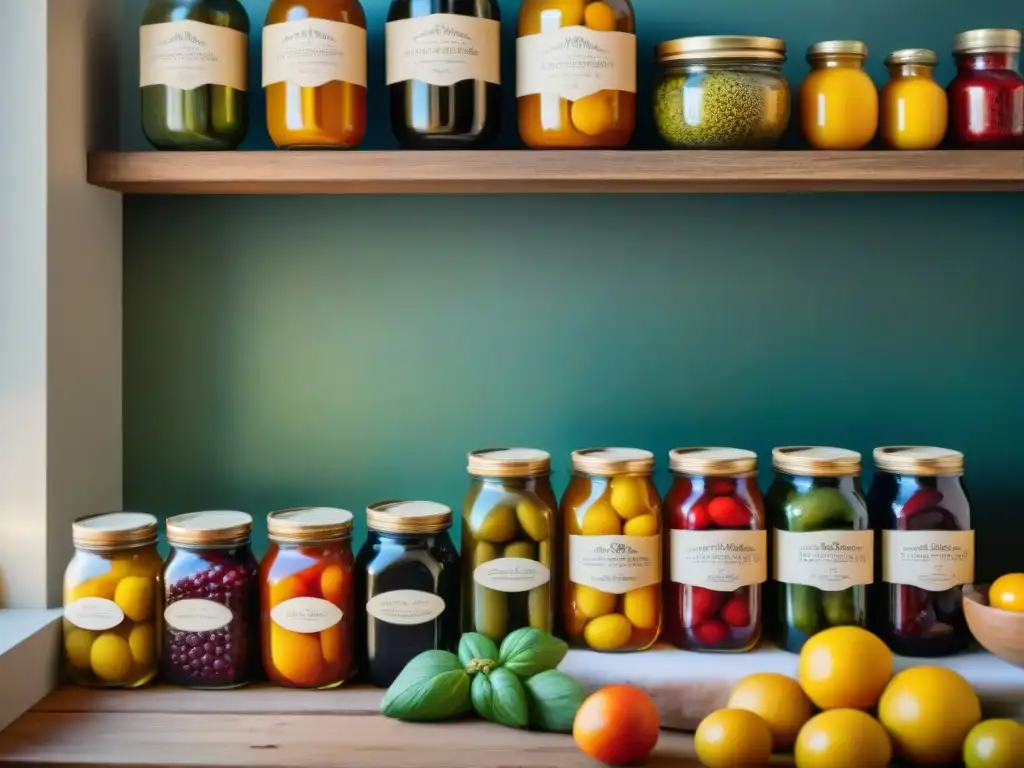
(711, 633)
(728, 512)
(618, 725)
(704, 603)
(697, 518)
(720, 486)
(736, 612)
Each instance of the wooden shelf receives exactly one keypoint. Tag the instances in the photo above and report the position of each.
(523, 171)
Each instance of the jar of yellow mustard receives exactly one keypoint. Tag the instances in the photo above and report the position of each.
(838, 100)
(914, 109)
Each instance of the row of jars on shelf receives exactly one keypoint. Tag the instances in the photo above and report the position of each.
(575, 81)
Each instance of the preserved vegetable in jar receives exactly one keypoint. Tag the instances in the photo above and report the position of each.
(576, 73)
(212, 601)
(307, 598)
(823, 553)
(612, 514)
(838, 100)
(112, 601)
(925, 547)
(408, 572)
(986, 98)
(914, 111)
(717, 550)
(509, 526)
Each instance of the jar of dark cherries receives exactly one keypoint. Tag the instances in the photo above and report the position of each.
(986, 98)
(925, 550)
(211, 614)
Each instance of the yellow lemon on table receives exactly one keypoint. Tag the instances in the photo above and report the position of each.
(733, 737)
(844, 668)
(780, 702)
(1007, 593)
(843, 738)
(994, 744)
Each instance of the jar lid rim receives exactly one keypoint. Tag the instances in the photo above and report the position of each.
(712, 461)
(408, 516)
(508, 462)
(912, 56)
(827, 48)
(987, 41)
(721, 47)
(926, 460)
(816, 461)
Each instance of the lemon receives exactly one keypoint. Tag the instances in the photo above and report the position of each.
(641, 606)
(599, 16)
(994, 744)
(629, 494)
(78, 644)
(140, 641)
(592, 603)
(733, 737)
(1007, 593)
(779, 700)
(134, 596)
(498, 524)
(642, 525)
(844, 668)
(843, 738)
(100, 586)
(111, 658)
(608, 633)
(601, 520)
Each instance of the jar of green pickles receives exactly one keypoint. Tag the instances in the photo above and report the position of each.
(824, 549)
(508, 532)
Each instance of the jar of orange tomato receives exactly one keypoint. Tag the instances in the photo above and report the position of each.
(838, 99)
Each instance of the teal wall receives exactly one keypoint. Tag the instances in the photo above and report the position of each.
(283, 351)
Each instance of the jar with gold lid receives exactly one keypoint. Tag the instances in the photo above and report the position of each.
(838, 99)
(212, 600)
(913, 106)
(612, 548)
(307, 598)
(111, 600)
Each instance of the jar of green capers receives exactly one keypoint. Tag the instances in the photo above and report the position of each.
(721, 92)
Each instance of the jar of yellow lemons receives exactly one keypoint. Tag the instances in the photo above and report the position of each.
(110, 600)
(612, 548)
(838, 99)
(914, 109)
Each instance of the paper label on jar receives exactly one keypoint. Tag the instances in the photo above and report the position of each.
(443, 49)
(720, 560)
(94, 613)
(615, 564)
(573, 62)
(511, 574)
(190, 54)
(405, 607)
(197, 615)
(306, 614)
(829, 560)
(313, 52)
(931, 560)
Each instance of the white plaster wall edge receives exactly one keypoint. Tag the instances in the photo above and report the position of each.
(30, 647)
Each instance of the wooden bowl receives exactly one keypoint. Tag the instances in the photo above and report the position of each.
(1001, 633)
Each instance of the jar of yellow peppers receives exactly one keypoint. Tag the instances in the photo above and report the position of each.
(914, 108)
(838, 100)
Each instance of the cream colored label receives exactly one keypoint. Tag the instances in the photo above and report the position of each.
(443, 49)
(197, 615)
(313, 52)
(190, 54)
(932, 560)
(306, 614)
(615, 564)
(405, 607)
(94, 613)
(829, 560)
(574, 62)
(719, 560)
(511, 574)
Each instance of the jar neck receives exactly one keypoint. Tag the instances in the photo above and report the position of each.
(312, 544)
(722, 65)
(198, 548)
(982, 62)
(129, 549)
(405, 539)
(838, 61)
(912, 70)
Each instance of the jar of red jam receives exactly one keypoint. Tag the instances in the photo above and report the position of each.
(986, 98)
(925, 549)
(211, 591)
(717, 550)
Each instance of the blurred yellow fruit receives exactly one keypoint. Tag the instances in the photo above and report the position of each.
(629, 494)
(844, 668)
(843, 738)
(134, 596)
(496, 525)
(111, 658)
(599, 16)
(608, 633)
(600, 520)
(1007, 593)
(549, 15)
(729, 738)
(142, 645)
(100, 586)
(533, 520)
(641, 525)
(778, 700)
(78, 644)
(641, 606)
(296, 656)
(995, 744)
(592, 603)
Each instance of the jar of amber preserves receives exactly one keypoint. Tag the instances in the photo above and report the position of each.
(926, 549)
(307, 598)
(509, 524)
(576, 73)
(838, 100)
(914, 112)
(211, 598)
(717, 550)
(111, 600)
(612, 514)
(986, 98)
(408, 573)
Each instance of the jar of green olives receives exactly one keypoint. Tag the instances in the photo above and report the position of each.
(824, 549)
(508, 532)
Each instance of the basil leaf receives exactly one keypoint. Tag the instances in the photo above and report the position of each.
(553, 699)
(477, 652)
(433, 686)
(498, 696)
(528, 651)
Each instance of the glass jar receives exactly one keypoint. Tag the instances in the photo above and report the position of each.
(717, 550)
(838, 99)
(111, 600)
(576, 73)
(823, 554)
(194, 58)
(443, 70)
(307, 598)
(986, 98)
(509, 527)
(925, 550)
(314, 73)
(914, 111)
(612, 512)
(408, 573)
(212, 601)
(721, 92)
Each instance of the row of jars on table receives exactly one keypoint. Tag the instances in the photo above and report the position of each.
(575, 81)
(310, 614)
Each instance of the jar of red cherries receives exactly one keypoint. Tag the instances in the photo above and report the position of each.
(716, 550)
(986, 98)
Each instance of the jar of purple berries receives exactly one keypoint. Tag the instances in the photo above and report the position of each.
(925, 550)
(211, 614)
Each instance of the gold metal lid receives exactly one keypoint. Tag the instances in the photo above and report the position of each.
(408, 517)
(924, 460)
(613, 461)
(912, 56)
(509, 462)
(988, 41)
(816, 461)
(838, 48)
(209, 528)
(713, 462)
(303, 524)
(114, 530)
(721, 47)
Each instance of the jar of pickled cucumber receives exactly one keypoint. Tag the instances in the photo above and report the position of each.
(823, 554)
(612, 514)
(111, 600)
(509, 523)
(717, 550)
(919, 504)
